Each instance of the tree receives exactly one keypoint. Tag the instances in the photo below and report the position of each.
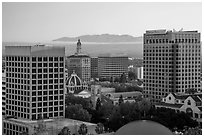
(120, 99)
(99, 128)
(123, 78)
(83, 129)
(116, 79)
(77, 112)
(98, 104)
(131, 75)
(144, 106)
(72, 100)
(65, 131)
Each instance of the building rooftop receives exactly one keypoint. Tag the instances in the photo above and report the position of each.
(60, 122)
(126, 94)
(169, 105)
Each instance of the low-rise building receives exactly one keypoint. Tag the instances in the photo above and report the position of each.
(127, 96)
(14, 126)
(188, 103)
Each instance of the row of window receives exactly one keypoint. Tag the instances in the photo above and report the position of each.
(149, 41)
(18, 58)
(13, 129)
(47, 115)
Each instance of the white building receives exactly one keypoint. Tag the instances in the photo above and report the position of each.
(190, 104)
(172, 62)
(74, 84)
(36, 81)
(3, 92)
(139, 72)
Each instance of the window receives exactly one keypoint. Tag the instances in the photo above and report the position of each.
(196, 115)
(189, 102)
(169, 98)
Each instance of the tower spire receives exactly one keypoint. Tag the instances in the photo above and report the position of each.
(78, 47)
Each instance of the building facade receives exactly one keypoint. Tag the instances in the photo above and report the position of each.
(35, 82)
(94, 67)
(3, 92)
(172, 62)
(112, 66)
(80, 63)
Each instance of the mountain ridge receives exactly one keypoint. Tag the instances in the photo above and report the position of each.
(102, 38)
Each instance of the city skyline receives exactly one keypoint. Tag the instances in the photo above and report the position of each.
(22, 21)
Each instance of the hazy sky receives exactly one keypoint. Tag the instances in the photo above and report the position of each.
(47, 21)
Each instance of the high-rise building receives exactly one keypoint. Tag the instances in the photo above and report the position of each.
(112, 66)
(3, 92)
(35, 81)
(94, 67)
(79, 63)
(172, 62)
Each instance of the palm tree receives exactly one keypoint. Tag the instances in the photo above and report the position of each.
(65, 131)
(144, 106)
(83, 129)
(99, 128)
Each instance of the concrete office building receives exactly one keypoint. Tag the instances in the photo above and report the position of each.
(172, 62)
(112, 66)
(80, 63)
(94, 67)
(35, 82)
(3, 92)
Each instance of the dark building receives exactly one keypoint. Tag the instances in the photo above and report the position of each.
(94, 67)
(112, 66)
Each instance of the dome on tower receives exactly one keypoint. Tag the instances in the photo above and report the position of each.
(74, 80)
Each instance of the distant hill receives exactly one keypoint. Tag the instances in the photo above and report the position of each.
(104, 38)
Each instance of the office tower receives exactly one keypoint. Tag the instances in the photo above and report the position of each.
(3, 92)
(172, 62)
(80, 63)
(94, 67)
(35, 81)
(112, 66)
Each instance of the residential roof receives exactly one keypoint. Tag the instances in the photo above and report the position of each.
(200, 108)
(78, 56)
(105, 99)
(126, 94)
(182, 97)
(196, 98)
(169, 105)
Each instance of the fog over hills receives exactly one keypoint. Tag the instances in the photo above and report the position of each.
(103, 38)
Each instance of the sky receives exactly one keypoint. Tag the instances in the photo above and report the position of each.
(36, 22)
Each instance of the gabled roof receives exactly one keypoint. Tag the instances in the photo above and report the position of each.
(105, 99)
(197, 99)
(170, 105)
(182, 97)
